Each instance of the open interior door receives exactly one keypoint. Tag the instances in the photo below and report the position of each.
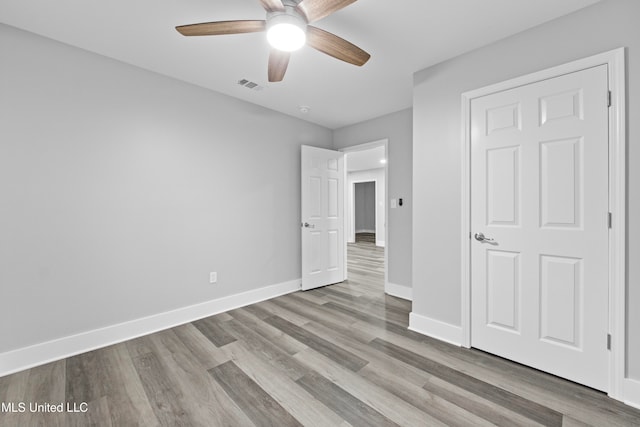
(323, 244)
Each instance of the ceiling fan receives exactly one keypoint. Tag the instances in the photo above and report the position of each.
(288, 29)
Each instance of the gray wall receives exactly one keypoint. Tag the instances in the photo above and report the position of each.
(437, 145)
(397, 128)
(365, 206)
(122, 189)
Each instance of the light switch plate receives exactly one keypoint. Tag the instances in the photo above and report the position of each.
(394, 204)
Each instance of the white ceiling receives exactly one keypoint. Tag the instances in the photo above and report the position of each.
(402, 36)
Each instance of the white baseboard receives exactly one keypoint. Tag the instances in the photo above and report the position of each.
(404, 292)
(631, 392)
(365, 231)
(435, 329)
(380, 243)
(50, 351)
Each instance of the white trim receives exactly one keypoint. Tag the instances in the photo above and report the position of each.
(618, 232)
(366, 146)
(380, 243)
(399, 291)
(366, 231)
(631, 392)
(465, 255)
(615, 60)
(39, 354)
(435, 329)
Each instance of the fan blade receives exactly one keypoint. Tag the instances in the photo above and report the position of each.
(272, 5)
(221, 27)
(278, 62)
(314, 10)
(335, 46)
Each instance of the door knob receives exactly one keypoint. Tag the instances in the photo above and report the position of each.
(481, 238)
(307, 225)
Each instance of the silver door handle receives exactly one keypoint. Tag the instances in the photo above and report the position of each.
(307, 225)
(480, 238)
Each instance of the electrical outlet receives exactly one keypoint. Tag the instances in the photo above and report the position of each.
(213, 277)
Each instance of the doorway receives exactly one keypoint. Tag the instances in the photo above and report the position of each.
(366, 201)
(364, 212)
(328, 181)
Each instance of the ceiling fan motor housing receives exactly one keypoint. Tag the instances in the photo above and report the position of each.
(286, 30)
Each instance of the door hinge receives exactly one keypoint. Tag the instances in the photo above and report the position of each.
(609, 99)
(608, 341)
(610, 220)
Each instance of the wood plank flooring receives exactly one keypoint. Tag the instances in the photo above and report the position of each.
(335, 356)
(365, 237)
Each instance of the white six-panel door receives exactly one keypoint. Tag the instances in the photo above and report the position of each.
(323, 244)
(539, 195)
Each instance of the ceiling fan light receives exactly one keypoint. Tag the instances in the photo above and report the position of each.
(285, 32)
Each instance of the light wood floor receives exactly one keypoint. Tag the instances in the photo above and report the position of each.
(335, 356)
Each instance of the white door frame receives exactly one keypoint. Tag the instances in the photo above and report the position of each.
(615, 60)
(367, 146)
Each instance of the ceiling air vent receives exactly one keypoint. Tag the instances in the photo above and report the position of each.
(250, 85)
